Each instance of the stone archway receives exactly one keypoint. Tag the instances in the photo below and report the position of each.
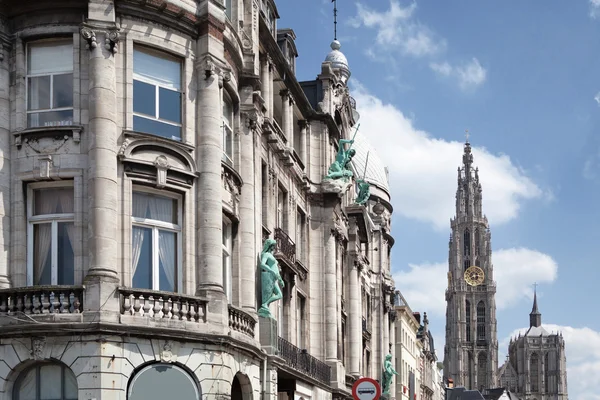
(241, 388)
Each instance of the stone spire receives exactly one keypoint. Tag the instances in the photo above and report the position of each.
(535, 317)
(468, 193)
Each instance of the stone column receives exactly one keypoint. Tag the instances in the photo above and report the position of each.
(266, 84)
(271, 90)
(285, 116)
(355, 322)
(331, 314)
(303, 128)
(102, 145)
(4, 165)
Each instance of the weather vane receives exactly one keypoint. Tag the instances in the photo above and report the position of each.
(467, 135)
(334, 19)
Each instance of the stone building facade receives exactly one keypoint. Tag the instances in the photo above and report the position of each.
(471, 347)
(408, 351)
(536, 367)
(147, 150)
(428, 362)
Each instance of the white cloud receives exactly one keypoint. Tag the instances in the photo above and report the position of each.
(397, 29)
(594, 8)
(515, 269)
(582, 347)
(423, 168)
(597, 96)
(469, 75)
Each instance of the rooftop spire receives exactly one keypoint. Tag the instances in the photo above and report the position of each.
(334, 19)
(467, 156)
(535, 317)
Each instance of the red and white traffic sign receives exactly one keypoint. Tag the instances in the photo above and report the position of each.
(366, 389)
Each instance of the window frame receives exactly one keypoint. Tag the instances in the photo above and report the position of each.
(156, 226)
(37, 367)
(157, 86)
(227, 247)
(53, 219)
(55, 41)
(228, 158)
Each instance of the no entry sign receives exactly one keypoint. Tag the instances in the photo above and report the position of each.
(366, 389)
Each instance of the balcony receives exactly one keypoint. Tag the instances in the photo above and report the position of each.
(241, 321)
(366, 329)
(286, 248)
(140, 306)
(299, 360)
(41, 300)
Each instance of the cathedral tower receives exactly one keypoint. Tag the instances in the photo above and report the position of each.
(471, 351)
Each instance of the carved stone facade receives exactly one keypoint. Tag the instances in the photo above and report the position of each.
(146, 151)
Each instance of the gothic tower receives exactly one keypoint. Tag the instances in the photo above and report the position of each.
(471, 350)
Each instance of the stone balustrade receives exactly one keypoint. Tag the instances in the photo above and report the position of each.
(42, 300)
(157, 305)
(241, 321)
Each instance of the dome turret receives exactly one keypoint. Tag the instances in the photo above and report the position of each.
(338, 60)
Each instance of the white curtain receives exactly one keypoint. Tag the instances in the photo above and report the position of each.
(65, 203)
(140, 205)
(42, 236)
(162, 209)
(27, 386)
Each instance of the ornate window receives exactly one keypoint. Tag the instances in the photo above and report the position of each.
(534, 372)
(156, 94)
(547, 373)
(49, 83)
(46, 381)
(481, 321)
(467, 243)
(50, 236)
(156, 241)
(477, 242)
(227, 129)
(156, 382)
(470, 371)
(468, 317)
(482, 371)
(227, 257)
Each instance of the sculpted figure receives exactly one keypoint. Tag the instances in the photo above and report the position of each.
(388, 373)
(341, 166)
(271, 282)
(364, 192)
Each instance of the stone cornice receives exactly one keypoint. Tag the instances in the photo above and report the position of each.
(162, 12)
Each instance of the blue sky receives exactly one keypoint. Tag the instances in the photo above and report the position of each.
(523, 77)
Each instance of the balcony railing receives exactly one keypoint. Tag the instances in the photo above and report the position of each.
(162, 305)
(42, 300)
(301, 361)
(241, 321)
(286, 247)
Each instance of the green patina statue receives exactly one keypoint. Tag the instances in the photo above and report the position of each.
(340, 169)
(388, 373)
(271, 282)
(364, 192)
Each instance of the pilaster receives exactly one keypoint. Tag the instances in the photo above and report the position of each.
(331, 313)
(355, 322)
(4, 162)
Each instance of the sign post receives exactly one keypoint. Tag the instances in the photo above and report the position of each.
(366, 389)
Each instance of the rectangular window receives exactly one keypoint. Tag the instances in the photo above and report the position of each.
(49, 84)
(301, 321)
(228, 10)
(281, 209)
(155, 242)
(51, 237)
(300, 236)
(156, 94)
(227, 253)
(265, 193)
(227, 129)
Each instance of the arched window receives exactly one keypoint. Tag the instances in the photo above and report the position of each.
(468, 317)
(477, 243)
(481, 371)
(547, 373)
(156, 382)
(534, 372)
(466, 264)
(467, 243)
(46, 381)
(481, 321)
(470, 371)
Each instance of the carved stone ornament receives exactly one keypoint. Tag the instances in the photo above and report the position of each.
(38, 345)
(162, 166)
(209, 67)
(46, 165)
(111, 41)
(166, 355)
(252, 118)
(90, 37)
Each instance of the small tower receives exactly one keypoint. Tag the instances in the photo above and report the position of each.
(535, 317)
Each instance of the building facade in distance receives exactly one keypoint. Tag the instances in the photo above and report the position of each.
(147, 151)
(471, 347)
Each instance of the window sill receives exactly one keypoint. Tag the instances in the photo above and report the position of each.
(56, 132)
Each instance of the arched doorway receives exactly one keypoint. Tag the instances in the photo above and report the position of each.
(236, 389)
(241, 389)
(156, 382)
(46, 380)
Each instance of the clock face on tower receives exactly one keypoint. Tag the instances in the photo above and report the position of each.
(474, 275)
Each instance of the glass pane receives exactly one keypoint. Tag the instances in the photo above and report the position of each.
(167, 254)
(228, 142)
(28, 385)
(164, 70)
(228, 112)
(38, 93)
(42, 260)
(53, 201)
(50, 118)
(50, 382)
(70, 385)
(144, 98)
(153, 127)
(151, 206)
(157, 383)
(142, 253)
(170, 105)
(63, 91)
(66, 262)
(50, 57)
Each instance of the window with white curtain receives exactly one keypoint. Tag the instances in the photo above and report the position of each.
(157, 93)
(46, 381)
(301, 320)
(50, 236)
(227, 129)
(156, 241)
(49, 83)
(227, 253)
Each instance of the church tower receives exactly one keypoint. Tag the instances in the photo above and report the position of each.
(471, 351)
